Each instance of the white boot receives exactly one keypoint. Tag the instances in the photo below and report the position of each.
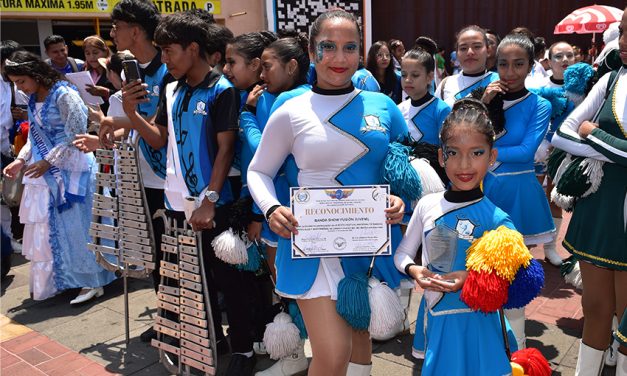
(612, 352)
(621, 365)
(295, 364)
(590, 361)
(516, 318)
(550, 248)
(355, 369)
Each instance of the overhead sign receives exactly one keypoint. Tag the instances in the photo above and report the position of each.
(101, 6)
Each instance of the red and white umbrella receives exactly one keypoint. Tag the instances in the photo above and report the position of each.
(591, 19)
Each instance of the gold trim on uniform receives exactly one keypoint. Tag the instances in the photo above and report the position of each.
(593, 257)
(620, 123)
(621, 336)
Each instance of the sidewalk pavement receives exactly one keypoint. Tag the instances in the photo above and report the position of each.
(53, 338)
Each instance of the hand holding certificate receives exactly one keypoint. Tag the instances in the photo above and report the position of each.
(341, 221)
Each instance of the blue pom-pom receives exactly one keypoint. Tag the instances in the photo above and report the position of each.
(576, 78)
(526, 285)
(556, 96)
(254, 260)
(352, 301)
(297, 318)
(399, 173)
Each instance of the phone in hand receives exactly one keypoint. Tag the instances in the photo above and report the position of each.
(131, 71)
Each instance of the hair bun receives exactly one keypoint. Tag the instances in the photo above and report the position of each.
(427, 44)
(267, 37)
(469, 103)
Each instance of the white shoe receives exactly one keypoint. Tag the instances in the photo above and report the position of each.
(259, 348)
(16, 245)
(550, 253)
(550, 248)
(590, 361)
(611, 356)
(355, 369)
(621, 365)
(295, 364)
(91, 293)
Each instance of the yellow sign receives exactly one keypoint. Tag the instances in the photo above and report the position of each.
(101, 6)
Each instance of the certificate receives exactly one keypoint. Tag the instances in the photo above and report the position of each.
(340, 221)
(81, 80)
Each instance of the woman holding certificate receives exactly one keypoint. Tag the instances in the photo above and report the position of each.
(338, 136)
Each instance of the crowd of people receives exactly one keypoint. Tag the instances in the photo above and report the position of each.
(516, 134)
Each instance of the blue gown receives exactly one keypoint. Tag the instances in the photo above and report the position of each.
(71, 184)
(511, 183)
(455, 339)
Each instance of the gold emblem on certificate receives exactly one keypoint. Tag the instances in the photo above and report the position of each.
(340, 221)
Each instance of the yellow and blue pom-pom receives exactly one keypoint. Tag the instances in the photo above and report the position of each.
(526, 286)
(502, 250)
(352, 301)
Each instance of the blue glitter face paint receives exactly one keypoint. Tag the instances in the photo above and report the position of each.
(350, 48)
(325, 47)
(328, 48)
(444, 154)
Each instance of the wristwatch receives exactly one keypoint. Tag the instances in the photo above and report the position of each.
(212, 196)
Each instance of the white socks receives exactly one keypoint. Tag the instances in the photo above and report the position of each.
(590, 361)
(355, 369)
(550, 248)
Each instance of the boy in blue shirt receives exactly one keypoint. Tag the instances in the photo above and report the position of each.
(198, 120)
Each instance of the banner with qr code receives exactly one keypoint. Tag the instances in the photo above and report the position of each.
(298, 15)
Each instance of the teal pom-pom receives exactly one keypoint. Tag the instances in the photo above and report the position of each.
(526, 285)
(352, 301)
(297, 318)
(576, 78)
(254, 260)
(555, 95)
(399, 174)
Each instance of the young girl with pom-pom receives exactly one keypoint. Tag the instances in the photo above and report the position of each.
(424, 115)
(446, 224)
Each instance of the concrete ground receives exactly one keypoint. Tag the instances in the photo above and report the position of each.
(51, 337)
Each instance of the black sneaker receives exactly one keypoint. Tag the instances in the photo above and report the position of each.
(241, 365)
(148, 335)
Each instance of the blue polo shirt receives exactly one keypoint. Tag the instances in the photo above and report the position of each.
(198, 114)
